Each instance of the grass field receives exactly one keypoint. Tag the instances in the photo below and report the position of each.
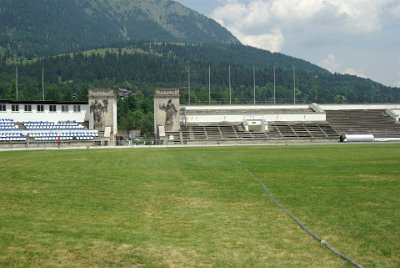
(197, 207)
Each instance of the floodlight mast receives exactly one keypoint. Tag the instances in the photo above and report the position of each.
(189, 80)
(16, 82)
(42, 83)
(274, 87)
(254, 85)
(294, 86)
(209, 85)
(230, 87)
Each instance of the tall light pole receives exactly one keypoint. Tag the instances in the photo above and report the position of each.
(16, 82)
(230, 87)
(209, 85)
(189, 80)
(294, 86)
(42, 83)
(254, 85)
(316, 88)
(274, 87)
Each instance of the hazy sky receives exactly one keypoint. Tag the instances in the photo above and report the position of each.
(360, 37)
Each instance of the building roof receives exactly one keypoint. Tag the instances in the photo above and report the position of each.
(43, 102)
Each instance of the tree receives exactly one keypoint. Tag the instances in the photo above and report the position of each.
(147, 125)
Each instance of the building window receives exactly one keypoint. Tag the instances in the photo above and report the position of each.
(3, 108)
(15, 108)
(28, 108)
(77, 108)
(53, 108)
(40, 108)
(64, 108)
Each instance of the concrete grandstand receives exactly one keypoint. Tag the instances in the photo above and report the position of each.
(251, 124)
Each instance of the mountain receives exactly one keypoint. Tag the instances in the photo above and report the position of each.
(31, 28)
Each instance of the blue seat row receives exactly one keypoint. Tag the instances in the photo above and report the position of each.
(6, 120)
(12, 136)
(54, 135)
(51, 125)
(8, 127)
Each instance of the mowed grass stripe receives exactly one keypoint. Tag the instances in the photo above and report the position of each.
(197, 207)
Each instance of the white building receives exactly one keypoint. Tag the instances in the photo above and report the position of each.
(46, 111)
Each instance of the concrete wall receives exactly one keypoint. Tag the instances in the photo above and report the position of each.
(232, 118)
(268, 113)
(46, 115)
(359, 106)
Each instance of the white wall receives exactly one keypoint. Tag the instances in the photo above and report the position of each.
(34, 115)
(234, 118)
(115, 119)
(245, 107)
(261, 112)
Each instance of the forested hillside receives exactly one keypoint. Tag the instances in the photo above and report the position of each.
(142, 66)
(41, 27)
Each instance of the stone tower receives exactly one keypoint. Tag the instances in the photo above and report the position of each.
(166, 111)
(103, 112)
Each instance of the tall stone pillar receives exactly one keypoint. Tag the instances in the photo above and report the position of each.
(103, 112)
(166, 111)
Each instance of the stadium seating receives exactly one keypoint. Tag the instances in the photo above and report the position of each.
(237, 133)
(63, 131)
(52, 126)
(375, 122)
(12, 136)
(44, 131)
(7, 124)
(63, 135)
(9, 131)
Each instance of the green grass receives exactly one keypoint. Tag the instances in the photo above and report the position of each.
(197, 207)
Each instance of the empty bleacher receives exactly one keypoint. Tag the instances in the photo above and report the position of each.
(63, 136)
(10, 132)
(375, 122)
(237, 133)
(53, 126)
(62, 131)
(299, 130)
(7, 124)
(12, 137)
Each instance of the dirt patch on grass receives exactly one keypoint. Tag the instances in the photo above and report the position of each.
(173, 257)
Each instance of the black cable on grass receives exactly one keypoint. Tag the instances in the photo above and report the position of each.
(298, 222)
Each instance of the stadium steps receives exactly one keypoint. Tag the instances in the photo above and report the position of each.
(375, 122)
(300, 130)
(236, 132)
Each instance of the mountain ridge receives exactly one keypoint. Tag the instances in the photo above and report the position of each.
(48, 27)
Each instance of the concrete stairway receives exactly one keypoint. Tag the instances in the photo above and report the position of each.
(375, 122)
